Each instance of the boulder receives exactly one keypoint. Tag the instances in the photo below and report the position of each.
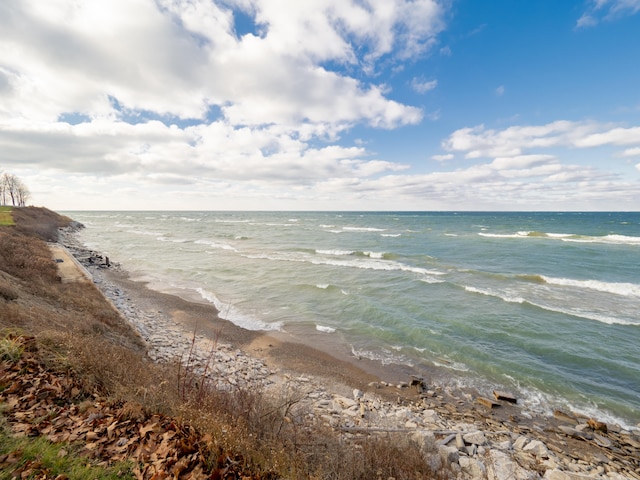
(449, 455)
(475, 438)
(472, 467)
(537, 448)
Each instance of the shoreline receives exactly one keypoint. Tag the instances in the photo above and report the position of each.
(350, 395)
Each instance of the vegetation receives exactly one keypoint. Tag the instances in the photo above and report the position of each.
(96, 407)
(5, 216)
(13, 190)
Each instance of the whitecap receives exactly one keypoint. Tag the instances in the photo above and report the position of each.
(335, 252)
(363, 229)
(210, 243)
(618, 288)
(324, 329)
(236, 317)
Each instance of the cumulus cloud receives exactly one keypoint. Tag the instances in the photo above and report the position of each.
(479, 142)
(181, 57)
(172, 91)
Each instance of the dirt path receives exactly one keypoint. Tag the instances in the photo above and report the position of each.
(69, 269)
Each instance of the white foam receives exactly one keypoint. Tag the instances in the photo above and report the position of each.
(569, 237)
(235, 316)
(609, 239)
(324, 329)
(210, 243)
(624, 289)
(492, 293)
(335, 252)
(363, 229)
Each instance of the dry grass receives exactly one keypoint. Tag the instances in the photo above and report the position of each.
(78, 331)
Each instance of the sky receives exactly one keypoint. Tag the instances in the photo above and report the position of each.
(322, 104)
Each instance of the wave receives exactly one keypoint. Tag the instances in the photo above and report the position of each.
(391, 235)
(457, 366)
(578, 313)
(236, 317)
(361, 263)
(172, 240)
(492, 293)
(608, 239)
(624, 289)
(324, 329)
(384, 356)
(612, 239)
(363, 229)
(210, 243)
(370, 254)
(335, 252)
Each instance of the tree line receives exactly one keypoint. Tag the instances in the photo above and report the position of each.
(13, 191)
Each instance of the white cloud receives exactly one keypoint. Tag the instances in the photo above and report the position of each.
(443, 158)
(500, 91)
(479, 142)
(631, 152)
(182, 58)
(607, 10)
(423, 86)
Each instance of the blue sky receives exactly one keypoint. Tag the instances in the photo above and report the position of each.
(322, 104)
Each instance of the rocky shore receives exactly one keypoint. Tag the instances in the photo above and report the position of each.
(478, 437)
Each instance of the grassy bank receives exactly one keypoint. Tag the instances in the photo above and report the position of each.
(79, 396)
(5, 216)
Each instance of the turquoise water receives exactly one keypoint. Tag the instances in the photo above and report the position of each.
(546, 304)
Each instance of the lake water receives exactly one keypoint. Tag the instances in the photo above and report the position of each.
(544, 304)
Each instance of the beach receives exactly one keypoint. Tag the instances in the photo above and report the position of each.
(480, 436)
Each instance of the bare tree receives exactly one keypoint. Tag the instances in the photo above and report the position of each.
(11, 187)
(3, 190)
(22, 194)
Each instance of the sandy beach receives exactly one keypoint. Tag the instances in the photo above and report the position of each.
(480, 435)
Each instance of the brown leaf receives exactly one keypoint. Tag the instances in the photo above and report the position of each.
(144, 429)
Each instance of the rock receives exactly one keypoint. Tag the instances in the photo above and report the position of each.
(449, 455)
(565, 417)
(475, 438)
(472, 467)
(344, 402)
(501, 467)
(556, 474)
(425, 439)
(459, 442)
(520, 442)
(357, 394)
(572, 432)
(537, 448)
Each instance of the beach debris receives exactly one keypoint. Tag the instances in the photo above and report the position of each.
(597, 426)
(505, 396)
(487, 402)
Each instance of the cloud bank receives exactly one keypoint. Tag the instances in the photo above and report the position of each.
(247, 103)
